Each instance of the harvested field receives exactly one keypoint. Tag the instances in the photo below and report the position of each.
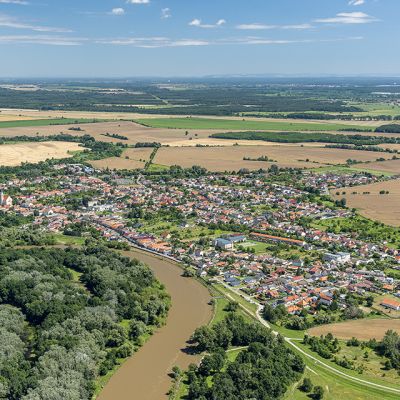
(7, 117)
(380, 207)
(16, 154)
(134, 132)
(363, 329)
(231, 158)
(391, 166)
(130, 159)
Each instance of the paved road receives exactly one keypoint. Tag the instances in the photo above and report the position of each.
(332, 369)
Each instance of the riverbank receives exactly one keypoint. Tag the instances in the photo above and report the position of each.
(145, 375)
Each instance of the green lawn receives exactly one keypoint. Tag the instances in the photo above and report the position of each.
(69, 240)
(46, 122)
(226, 124)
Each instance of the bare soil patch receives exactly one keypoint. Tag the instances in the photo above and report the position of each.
(363, 329)
(370, 203)
(16, 154)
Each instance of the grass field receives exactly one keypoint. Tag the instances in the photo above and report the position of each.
(16, 154)
(381, 108)
(363, 329)
(380, 207)
(230, 124)
(44, 122)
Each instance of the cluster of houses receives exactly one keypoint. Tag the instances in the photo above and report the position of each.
(269, 213)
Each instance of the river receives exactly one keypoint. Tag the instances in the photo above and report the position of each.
(144, 376)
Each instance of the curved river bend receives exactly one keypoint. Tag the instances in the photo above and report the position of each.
(144, 376)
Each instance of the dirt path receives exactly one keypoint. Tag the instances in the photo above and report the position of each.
(145, 375)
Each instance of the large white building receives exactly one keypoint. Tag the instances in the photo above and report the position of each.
(5, 200)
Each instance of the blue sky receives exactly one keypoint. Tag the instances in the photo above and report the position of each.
(128, 38)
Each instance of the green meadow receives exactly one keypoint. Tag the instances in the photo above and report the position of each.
(47, 122)
(227, 124)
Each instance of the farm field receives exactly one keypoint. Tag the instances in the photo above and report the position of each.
(134, 132)
(228, 124)
(381, 207)
(9, 118)
(392, 166)
(16, 154)
(363, 329)
(42, 122)
(231, 158)
(130, 159)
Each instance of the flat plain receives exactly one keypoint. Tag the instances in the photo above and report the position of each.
(246, 124)
(391, 166)
(16, 154)
(130, 159)
(232, 158)
(363, 329)
(371, 204)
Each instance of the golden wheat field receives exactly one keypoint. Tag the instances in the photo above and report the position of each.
(363, 329)
(16, 154)
(370, 203)
(232, 158)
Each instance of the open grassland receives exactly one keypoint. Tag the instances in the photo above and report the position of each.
(391, 166)
(231, 158)
(370, 203)
(363, 329)
(43, 122)
(16, 154)
(375, 109)
(229, 124)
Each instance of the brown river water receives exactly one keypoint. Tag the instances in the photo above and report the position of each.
(144, 376)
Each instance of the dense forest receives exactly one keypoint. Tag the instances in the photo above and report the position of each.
(216, 98)
(264, 370)
(68, 316)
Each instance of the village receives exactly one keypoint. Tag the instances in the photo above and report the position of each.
(261, 239)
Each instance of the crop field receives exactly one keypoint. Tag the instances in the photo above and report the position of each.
(42, 122)
(16, 154)
(130, 159)
(231, 158)
(9, 118)
(363, 329)
(391, 166)
(237, 124)
(370, 203)
(134, 132)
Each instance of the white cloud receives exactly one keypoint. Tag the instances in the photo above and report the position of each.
(155, 42)
(138, 1)
(166, 13)
(40, 39)
(158, 42)
(349, 18)
(257, 26)
(117, 11)
(20, 2)
(197, 23)
(356, 2)
(10, 22)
